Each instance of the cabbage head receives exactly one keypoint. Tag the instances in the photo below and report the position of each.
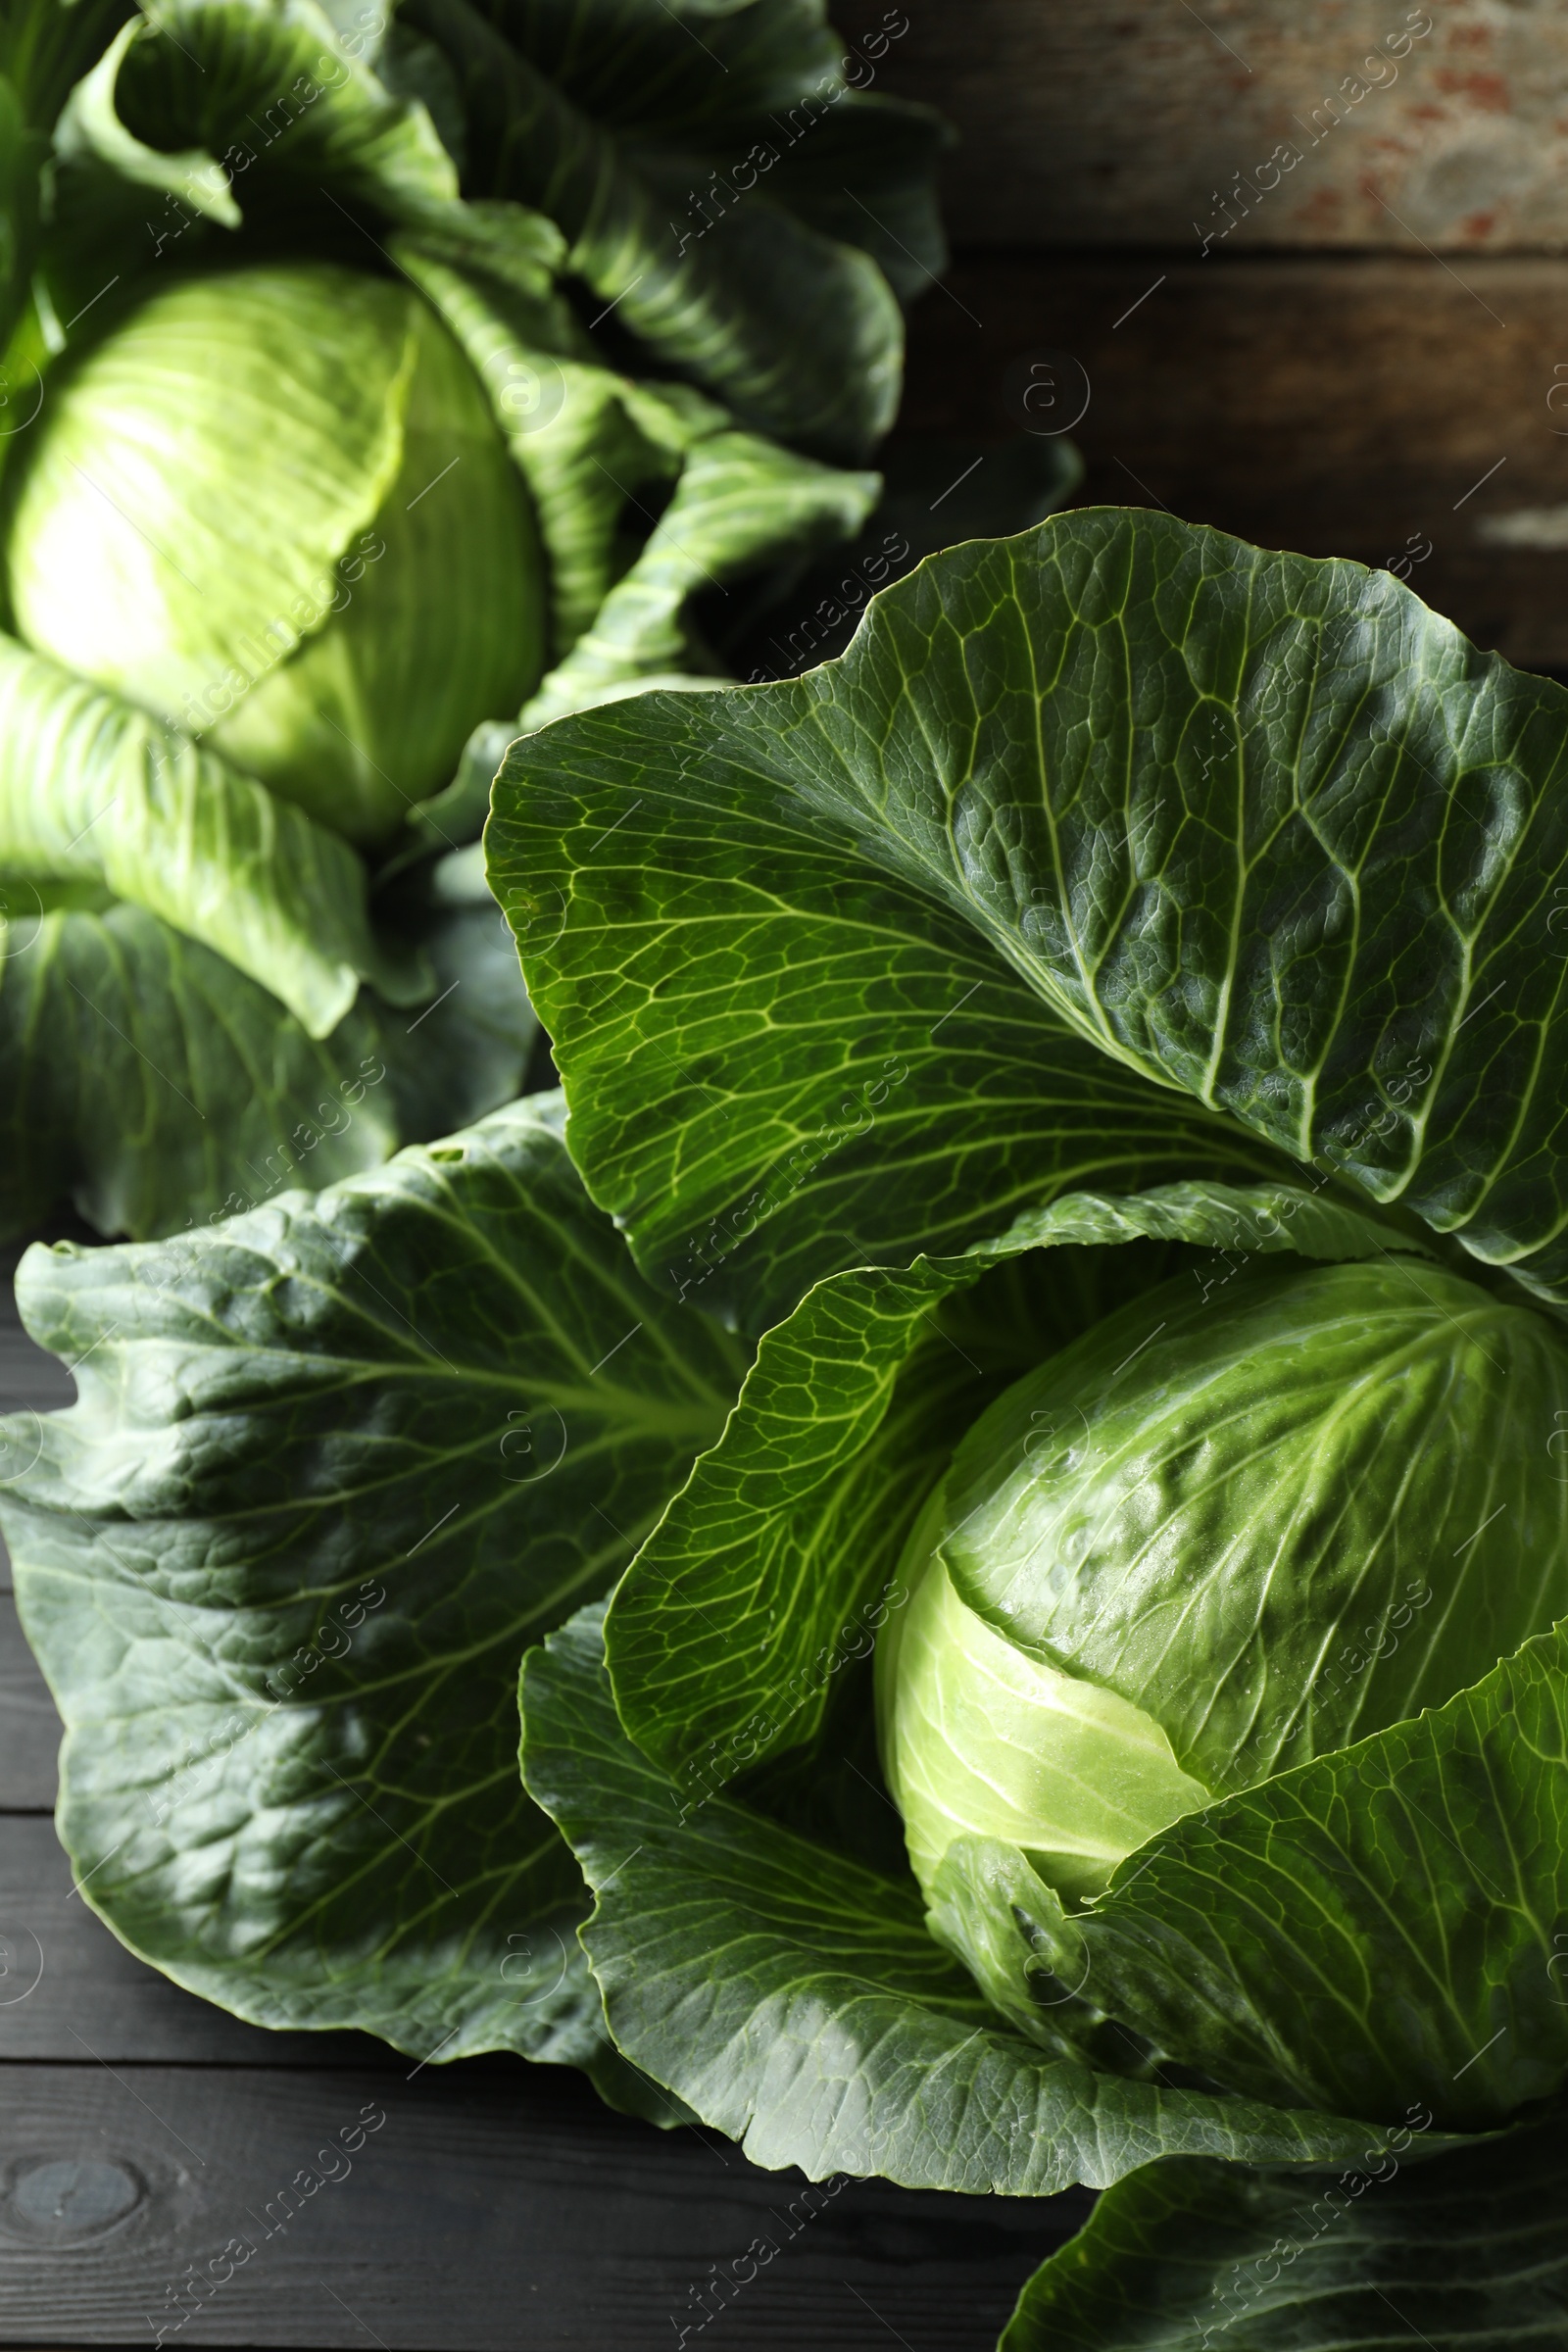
(271, 505)
(1213, 1540)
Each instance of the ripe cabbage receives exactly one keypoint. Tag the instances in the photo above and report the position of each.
(358, 412)
(273, 506)
(1211, 1541)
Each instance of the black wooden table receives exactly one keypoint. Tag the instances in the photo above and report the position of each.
(496, 2205)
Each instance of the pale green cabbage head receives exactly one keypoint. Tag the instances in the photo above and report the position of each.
(1211, 1541)
(273, 504)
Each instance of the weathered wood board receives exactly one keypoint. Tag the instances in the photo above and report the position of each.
(1315, 298)
(482, 2207)
(1253, 122)
(1397, 411)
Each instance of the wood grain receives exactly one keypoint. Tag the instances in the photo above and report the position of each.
(1361, 406)
(1144, 122)
(493, 2205)
(29, 1728)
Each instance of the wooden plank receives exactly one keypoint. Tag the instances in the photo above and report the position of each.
(492, 2206)
(29, 1728)
(30, 1377)
(31, 1382)
(1146, 124)
(70, 1991)
(1358, 406)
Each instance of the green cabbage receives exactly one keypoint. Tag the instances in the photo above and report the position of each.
(1213, 1540)
(273, 506)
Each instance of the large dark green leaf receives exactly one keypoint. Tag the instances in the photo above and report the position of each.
(780, 1062)
(45, 45)
(335, 1464)
(770, 1569)
(1464, 2252)
(839, 155)
(737, 500)
(146, 1080)
(1254, 827)
(653, 135)
(794, 1999)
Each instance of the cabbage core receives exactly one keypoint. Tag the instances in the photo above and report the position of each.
(273, 506)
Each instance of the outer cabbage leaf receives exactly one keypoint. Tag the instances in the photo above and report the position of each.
(47, 45)
(739, 498)
(152, 1084)
(779, 1061)
(44, 46)
(1460, 2252)
(270, 112)
(586, 440)
(770, 1570)
(1260, 828)
(22, 153)
(613, 118)
(193, 94)
(94, 791)
(851, 163)
(335, 1464)
(794, 1999)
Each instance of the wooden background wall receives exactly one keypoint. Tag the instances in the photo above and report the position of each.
(1306, 262)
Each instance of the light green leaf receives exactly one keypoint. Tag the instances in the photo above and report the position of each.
(1461, 2252)
(90, 126)
(787, 1534)
(795, 2001)
(1263, 829)
(1377, 1927)
(93, 790)
(336, 634)
(574, 427)
(770, 1570)
(335, 1463)
(194, 94)
(1317, 1223)
(980, 1902)
(1249, 1431)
